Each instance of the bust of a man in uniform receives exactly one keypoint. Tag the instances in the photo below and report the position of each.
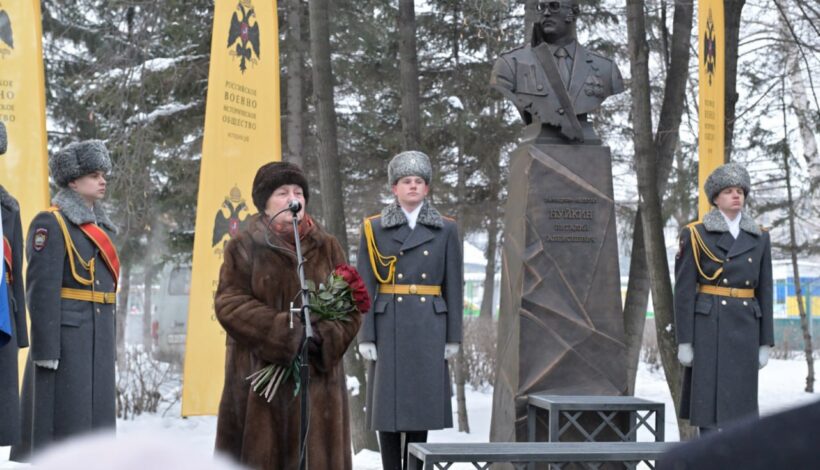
(555, 80)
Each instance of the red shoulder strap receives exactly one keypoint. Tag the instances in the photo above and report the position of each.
(7, 254)
(106, 246)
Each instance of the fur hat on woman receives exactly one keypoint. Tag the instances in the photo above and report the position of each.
(272, 175)
(77, 160)
(725, 176)
(409, 163)
(3, 139)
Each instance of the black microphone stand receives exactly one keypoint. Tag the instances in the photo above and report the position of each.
(304, 369)
(304, 316)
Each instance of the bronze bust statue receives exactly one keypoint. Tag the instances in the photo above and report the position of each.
(554, 80)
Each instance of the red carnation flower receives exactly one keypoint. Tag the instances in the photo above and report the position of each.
(357, 287)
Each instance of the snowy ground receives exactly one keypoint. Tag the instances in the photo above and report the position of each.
(781, 387)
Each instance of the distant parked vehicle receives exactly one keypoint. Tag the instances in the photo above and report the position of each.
(171, 313)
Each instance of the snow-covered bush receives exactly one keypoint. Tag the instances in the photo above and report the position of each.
(144, 384)
(479, 351)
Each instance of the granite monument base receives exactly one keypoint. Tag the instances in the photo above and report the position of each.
(561, 324)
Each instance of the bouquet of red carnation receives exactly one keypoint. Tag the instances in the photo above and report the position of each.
(343, 294)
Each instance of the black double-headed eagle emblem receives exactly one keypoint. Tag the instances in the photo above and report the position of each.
(6, 36)
(710, 48)
(231, 218)
(244, 35)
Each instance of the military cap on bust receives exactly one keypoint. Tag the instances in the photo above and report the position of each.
(77, 160)
(4, 141)
(724, 176)
(409, 163)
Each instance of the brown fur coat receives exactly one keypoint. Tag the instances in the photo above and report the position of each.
(256, 285)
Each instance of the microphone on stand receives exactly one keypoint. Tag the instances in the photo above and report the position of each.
(294, 206)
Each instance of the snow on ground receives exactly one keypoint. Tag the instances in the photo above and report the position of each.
(781, 387)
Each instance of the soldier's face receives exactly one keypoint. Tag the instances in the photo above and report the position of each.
(410, 191)
(91, 186)
(556, 18)
(730, 200)
(280, 199)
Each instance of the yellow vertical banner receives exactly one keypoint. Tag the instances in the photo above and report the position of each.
(24, 167)
(711, 90)
(241, 133)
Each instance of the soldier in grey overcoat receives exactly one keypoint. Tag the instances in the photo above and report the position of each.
(12, 241)
(723, 305)
(69, 384)
(410, 260)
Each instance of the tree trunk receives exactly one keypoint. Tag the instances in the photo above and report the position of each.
(409, 76)
(637, 298)
(732, 10)
(646, 159)
(147, 304)
(665, 145)
(330, 177)
(530, 17)
(295, 90)
(122, 311)
(803, 111)
(798, 292)
(488, 297)
(361, 437)
(461, 189)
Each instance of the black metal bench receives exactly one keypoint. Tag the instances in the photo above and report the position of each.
(605, 411)
(427, 456)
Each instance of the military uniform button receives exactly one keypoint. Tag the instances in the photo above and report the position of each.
(722, 302)
(401, 276)
(728, 259)
(399, 299)
(748, 283)
(98, 282)
(423, 299)
(426, 253)
(561, 111)
(750, 260)
(98, 310)
(745, 303)
(725, 281)
(424, 275)
(401, 253)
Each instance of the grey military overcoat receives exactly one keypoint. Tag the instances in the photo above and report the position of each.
(79, 396)
(725, 332)
(9, 399)
(408, 386)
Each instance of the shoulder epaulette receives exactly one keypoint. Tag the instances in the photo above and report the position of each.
(608, 59)
(517, 48)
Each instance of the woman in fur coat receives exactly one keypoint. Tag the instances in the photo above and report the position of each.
(257, 284)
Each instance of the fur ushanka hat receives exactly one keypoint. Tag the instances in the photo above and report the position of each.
(272, 175)
(724, 176)
(77, 160)
(4, 140)
(409, 163)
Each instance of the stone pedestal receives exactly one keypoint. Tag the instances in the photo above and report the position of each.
(561, 323)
